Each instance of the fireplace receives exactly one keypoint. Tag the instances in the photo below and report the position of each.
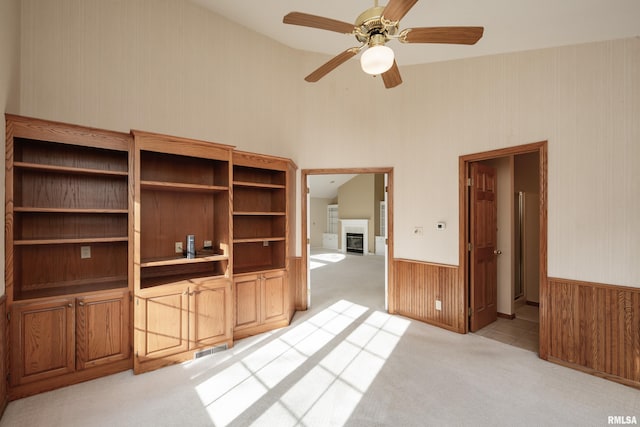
(358, 232)
(355, 243)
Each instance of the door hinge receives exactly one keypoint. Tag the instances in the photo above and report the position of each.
(308, 190)
(386, 241)
(137, 301)
(470, 311)
(386, 188)
(8, 316)
(469, 247)
(469, 182)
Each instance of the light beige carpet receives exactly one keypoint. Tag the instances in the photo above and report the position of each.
(342, 363)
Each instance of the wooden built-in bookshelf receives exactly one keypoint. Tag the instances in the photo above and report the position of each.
(68, 252)
(97, 275)
(182, 188)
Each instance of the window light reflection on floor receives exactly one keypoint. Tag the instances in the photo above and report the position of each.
(230, 392)
(320, 260)
(330, 392)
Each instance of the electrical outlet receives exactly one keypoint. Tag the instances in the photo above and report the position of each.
(178, 247)
(438, 305)
(85, 252)
(418, 231)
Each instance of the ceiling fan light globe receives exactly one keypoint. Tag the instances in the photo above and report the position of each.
(377, 60)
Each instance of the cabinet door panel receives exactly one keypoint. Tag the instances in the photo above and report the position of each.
(247, 295)
(209, 316)
(274, 296)
(102, 329)
(163, 324)
(42, 340)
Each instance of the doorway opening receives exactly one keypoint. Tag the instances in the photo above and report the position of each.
(503, 243)
(346, 223)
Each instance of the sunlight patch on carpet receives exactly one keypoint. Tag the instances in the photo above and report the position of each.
(331, 391)
(320, 260)
(232, 391)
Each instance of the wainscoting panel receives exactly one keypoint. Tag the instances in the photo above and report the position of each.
(417, 286)
(4, 354)
(595, 328)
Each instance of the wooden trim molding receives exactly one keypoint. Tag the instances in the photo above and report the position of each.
(417, 286)
(295, 274)
(507, 316)
(594, 328)
(463, 167)
(4, 354)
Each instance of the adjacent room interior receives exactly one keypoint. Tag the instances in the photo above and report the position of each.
(164, 263)
(347, 248)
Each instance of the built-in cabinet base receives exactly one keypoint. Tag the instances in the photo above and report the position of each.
(62, 341)
(260, 301)
(173, 322)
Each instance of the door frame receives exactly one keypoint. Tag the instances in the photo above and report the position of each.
(464, 232)
(304, 226)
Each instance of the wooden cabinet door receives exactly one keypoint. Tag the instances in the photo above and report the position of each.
(247, 300)
(210, 313)
(42, 340)
(102, 329)
(162, 322)
(274, 296)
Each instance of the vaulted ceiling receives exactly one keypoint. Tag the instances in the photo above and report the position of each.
(510, 25)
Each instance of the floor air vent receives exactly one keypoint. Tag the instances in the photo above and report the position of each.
(209, 351)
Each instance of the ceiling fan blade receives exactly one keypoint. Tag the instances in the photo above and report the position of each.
(453, 35)
(396, 9)
(392, 77)
(333, 63)
(313, 21)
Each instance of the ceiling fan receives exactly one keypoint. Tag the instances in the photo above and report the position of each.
(373, 29)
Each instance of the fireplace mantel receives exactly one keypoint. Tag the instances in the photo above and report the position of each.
(354, 226)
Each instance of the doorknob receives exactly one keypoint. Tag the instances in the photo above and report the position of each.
(497, 251)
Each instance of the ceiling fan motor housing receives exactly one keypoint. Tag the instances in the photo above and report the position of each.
(370, 23)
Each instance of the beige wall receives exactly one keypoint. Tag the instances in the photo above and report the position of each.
(9, 81)
(317, 220)
(169, 66)
(583, 99)
(166, 66)
(355, 201)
